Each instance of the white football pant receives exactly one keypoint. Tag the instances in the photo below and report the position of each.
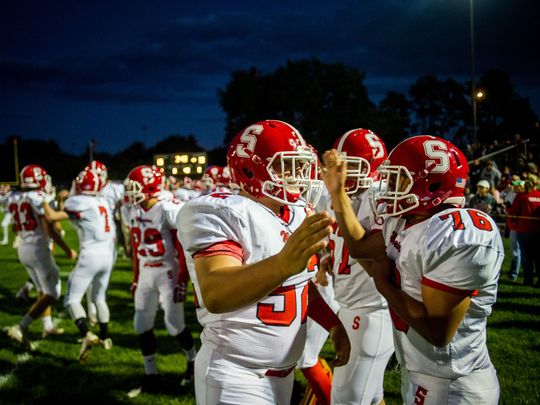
(220, 381)
(481, 387)
(360, 381)
(41, 267)
(155, 288)
(94, 267)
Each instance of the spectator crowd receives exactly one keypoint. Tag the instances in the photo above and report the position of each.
(507, 187)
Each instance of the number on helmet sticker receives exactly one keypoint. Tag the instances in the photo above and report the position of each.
(376, 145)
(436, 151)
(248, 140)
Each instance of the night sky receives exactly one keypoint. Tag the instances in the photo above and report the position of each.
(125, 71)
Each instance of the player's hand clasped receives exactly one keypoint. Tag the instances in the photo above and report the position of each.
(180, 292)
(132, 289)
(342, 345)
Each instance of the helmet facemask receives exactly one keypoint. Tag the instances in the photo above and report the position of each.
(133, 192)
(293, 177)
(357, 174)
(393, 190)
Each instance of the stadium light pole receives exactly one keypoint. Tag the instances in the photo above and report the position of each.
(473, 68)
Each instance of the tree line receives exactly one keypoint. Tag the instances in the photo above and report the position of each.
(323, 101)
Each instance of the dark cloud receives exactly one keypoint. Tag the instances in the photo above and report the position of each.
(383, 38)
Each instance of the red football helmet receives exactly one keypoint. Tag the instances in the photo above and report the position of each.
(99, 168)
(217, 176)
(34, 177)
(88, 182)
(270, 158)
(422, 173)
(363, 151)
(142, 183)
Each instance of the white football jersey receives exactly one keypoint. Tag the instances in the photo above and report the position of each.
(92, 218)
(183, 194)
(153, 232)
(458, 251)
(113, 193)
(353, 286)
(165, 195)
(270, 333)
(26, 208)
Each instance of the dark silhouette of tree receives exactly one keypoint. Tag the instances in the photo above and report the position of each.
(7, 160)
(242, 101)
(395, 111)
(176, 143)
(61, 166)
(439, 107)
(321, 100)
(218, 156)
(503, 112)
(125, 160)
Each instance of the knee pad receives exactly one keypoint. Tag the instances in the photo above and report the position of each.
(143, 321)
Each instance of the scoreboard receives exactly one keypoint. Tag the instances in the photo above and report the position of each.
(191, 164)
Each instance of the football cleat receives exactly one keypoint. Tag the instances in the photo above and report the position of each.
(20, 335)
(50, 332)
(189, 375)
(87, 343)
(149, 385)
(107, 344)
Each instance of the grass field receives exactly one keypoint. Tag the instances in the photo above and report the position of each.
(54, 374)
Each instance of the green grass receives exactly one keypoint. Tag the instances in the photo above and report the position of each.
(53, 373)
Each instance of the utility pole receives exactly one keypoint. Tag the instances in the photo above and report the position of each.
(473, 69)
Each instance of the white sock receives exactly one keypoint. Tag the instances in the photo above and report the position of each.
(150, 364)
(26, 321)
(47, 322)
(190, 354)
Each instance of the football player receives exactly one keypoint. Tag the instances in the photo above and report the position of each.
(34, 253)
(184, 190)
(5, 190)
(437, 265)
(217, 179)
(113, 193)
(91, 215)
(247, 255)
(363, 311)
(160, 274)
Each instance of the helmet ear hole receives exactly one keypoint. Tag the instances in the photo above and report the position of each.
(434, 187)
(248, 173)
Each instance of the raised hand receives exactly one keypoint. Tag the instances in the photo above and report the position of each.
(334, 171)
(308, 239)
